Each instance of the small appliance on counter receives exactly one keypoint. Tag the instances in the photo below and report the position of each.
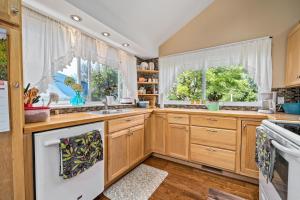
(127, 100)
(291, 108)
(267, 102)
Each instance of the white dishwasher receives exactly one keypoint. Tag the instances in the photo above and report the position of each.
(48, 184)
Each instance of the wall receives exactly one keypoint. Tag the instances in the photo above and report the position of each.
(226, 21)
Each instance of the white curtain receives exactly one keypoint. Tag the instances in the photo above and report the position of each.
(49, 46)
(254, 55)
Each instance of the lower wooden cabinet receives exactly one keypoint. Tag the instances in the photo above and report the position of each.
(178, 141)
(248, 164)
(148, 134)
(117, 153)
(125, 148)
(215, 157)
(159, 133)
(136, 144)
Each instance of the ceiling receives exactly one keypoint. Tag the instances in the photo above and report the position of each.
(144, 24)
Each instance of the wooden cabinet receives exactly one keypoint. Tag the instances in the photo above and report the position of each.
(219, 158)
(178, 141)
(248, 164)
(220, 138)
(292, 76)
(148, 134)
(125, 148)
(118, 153)
(159, 133)
(214, 122)
(125, 122)
(10, 11)
(136, 144)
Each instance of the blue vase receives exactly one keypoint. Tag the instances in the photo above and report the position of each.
(77, 100)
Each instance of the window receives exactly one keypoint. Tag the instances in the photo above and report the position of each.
(231, 81)
(97, 81)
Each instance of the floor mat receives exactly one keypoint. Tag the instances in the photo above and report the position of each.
(139, 184)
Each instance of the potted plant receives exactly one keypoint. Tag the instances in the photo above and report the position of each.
(213, 99)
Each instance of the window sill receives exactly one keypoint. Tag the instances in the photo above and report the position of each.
(90, 104)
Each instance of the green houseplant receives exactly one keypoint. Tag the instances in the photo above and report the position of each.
(213, 99)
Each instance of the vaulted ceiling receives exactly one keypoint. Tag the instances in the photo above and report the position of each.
(144, 24)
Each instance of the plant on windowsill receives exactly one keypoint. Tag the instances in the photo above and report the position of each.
(213, 98)
(77, 99)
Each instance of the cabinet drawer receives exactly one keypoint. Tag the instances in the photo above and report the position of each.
(178, 119)
(214, 122)
(220, 138)
(123, 123)
(219, 158)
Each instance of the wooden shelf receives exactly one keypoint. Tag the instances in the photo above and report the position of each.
(147, 94)
(147, 83)
(148, 71)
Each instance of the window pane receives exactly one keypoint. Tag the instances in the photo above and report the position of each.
(232, 82)
(188, 86)
(104, 82)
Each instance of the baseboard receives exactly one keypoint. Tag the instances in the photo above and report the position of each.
(208, 169)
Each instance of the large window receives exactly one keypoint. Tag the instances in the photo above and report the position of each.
(97, 81)
(231, 81)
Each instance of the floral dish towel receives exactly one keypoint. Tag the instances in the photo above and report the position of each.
(79, 153)
(265, 154)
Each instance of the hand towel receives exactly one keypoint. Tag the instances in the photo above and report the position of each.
(79, 153)
(265, 154)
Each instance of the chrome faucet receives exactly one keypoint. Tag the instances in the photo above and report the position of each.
(105, 103)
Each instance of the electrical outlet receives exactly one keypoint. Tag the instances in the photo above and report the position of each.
(280, 100)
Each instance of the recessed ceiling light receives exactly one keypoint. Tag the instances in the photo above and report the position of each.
(106, 34)
(76, 18)
(125, 45)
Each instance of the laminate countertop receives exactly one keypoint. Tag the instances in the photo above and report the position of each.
(72, 119)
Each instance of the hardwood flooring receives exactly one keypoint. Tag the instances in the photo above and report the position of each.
(187, 183)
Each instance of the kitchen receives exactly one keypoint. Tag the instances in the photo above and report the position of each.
(198, 103)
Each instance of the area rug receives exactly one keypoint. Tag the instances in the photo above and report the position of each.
(139, 184)
(214, 194)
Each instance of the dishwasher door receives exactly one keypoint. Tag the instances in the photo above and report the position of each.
(48, 184)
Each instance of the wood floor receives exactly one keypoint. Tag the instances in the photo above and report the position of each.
(184, 183)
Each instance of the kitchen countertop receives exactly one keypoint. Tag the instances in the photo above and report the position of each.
(72, 119)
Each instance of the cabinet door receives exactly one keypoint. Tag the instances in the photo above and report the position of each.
(248, 164)
(10, 11)
(293, 58)
(148, 134)
(118, 153)
(178, 141)
(136, 144)
(159, 142)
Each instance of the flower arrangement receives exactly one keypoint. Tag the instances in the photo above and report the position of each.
(77, 100)
(213, 99)
(31, 96)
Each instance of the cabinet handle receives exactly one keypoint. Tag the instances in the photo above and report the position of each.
(210, 149)
(212, 131)
(14, 10)
(128, 120)
(212, 119)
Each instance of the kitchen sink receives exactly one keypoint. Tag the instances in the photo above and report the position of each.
(107, 112)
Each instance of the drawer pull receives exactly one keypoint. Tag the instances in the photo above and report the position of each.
(211, 130)
(212, 119)
(128, 120)
(210, 149)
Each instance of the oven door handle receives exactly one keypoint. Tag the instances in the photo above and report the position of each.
(295, 153)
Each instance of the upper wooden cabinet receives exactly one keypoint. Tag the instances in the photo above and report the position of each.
(10, 11)
(292, 76)
(178, 141)
(248, 164)
(159, 133)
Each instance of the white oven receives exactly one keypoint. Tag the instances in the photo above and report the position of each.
(285, 184)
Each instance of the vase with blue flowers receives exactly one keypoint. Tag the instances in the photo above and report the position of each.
(77, 99)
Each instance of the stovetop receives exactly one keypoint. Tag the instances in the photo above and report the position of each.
(295, 128)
